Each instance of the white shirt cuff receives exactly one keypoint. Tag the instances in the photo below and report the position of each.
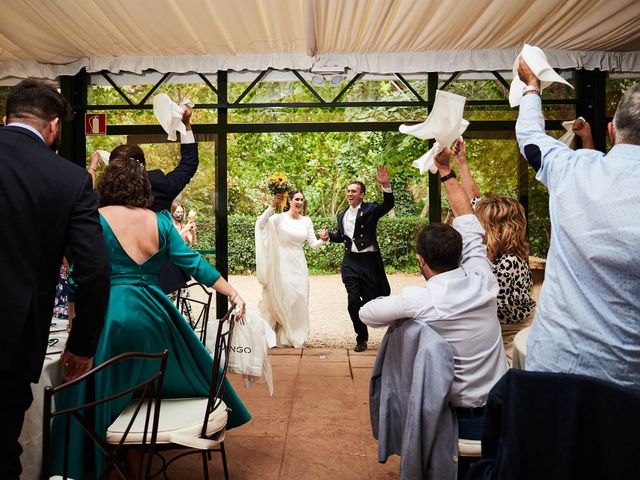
(386, 190)
(187, 137)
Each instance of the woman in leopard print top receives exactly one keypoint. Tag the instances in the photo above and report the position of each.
(505, 224)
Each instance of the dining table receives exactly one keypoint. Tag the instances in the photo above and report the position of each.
(51, 375)
(520, 348)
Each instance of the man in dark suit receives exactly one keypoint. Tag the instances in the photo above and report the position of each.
(49, 205)
(166, 187)
(362, 268)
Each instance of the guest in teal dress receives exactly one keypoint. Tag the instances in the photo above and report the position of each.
(140, 317)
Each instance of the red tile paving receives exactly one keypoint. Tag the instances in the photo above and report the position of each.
(315, 426)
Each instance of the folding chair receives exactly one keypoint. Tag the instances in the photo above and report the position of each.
(196, 424)
(144, 394)
(194, 303)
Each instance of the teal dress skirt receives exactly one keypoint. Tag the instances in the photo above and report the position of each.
(140, 317)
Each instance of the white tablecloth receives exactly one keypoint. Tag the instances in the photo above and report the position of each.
(31, 435)
(520, 348)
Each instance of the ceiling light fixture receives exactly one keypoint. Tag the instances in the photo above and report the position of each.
(336, 80)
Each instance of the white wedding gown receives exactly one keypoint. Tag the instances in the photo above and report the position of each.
(282, 271)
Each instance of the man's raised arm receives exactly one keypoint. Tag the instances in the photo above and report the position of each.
(538, 148)
(458, 199)
(474, 251)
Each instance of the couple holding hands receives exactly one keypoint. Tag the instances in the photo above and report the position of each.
(281, 266)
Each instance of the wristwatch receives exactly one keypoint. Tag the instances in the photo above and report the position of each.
(448, 176)
(531, 88)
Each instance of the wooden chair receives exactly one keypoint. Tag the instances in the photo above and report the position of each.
(146, 393)
(197, 425)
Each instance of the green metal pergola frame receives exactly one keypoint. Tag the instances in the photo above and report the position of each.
(589, 103)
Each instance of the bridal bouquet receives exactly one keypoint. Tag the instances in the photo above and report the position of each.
(279, 183)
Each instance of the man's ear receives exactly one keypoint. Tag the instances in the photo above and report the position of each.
(420, 260)
(54, 124)
(4, 120)
(612, 132)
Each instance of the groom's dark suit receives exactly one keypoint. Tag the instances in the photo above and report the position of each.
(363, 272)
(47, 205)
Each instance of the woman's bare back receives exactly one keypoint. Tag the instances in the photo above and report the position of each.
(136, 230)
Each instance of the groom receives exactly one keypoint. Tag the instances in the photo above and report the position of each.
(362, 268)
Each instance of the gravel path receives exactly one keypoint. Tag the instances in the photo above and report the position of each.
(330, 326)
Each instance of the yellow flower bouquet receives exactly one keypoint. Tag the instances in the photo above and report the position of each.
(279, 183)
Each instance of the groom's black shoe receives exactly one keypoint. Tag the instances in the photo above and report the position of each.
(360, 347)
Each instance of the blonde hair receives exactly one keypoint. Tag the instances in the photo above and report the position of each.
(505, 224)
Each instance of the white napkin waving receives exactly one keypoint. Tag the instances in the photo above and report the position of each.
(445, 124)
(568, 137)
(169, 114)
(104, 156)
(535, 58)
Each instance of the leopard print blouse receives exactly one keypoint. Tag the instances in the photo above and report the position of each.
(515, 280)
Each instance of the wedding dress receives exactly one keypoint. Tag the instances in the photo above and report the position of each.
(282, 271)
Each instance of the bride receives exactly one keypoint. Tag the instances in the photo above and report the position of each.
(282, 268)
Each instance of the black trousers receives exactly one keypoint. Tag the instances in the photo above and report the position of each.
(15, 400)
(364, 278)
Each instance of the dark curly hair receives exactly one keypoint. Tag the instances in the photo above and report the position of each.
(125, 182)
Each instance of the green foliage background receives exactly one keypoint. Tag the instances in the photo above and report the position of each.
(322, 164)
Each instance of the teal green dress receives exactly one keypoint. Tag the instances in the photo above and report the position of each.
(140, 317)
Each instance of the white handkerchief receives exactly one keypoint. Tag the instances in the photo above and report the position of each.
(104, 156)
(445, 124)
(537, 61)
(568, 137)
(169, 114)
(428, 160)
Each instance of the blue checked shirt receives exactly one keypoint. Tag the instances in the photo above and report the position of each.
(588, 316)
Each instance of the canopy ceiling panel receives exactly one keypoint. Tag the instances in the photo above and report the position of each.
(47, 39)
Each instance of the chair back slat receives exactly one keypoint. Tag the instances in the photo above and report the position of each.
(147, 391)
(220, 363)
(194, 303)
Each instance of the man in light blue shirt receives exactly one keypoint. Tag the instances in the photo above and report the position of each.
(588, 317)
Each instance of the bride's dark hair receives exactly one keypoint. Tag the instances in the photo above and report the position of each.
(290, 196)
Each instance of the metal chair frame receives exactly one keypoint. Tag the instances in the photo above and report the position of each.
(185, 302)
(216, 392)
(148, 391)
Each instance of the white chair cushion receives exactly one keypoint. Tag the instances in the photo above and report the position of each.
(180, 423)
(469, 448)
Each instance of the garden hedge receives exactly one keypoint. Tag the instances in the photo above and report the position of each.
(396, 236)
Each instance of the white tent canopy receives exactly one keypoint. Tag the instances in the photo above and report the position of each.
(60, 37)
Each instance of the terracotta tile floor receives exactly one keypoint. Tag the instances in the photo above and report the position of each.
(316, 426)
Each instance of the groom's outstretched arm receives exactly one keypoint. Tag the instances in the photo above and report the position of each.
(387, 194)
(336, 237)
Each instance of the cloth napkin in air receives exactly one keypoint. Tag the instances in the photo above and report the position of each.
(169, 114)
(104, 156)
(445, 124)
(568, 137)
(537, 61)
